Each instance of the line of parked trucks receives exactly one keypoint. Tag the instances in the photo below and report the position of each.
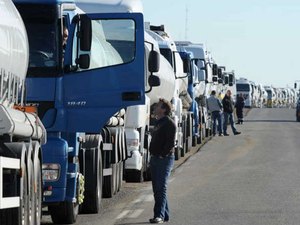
(257, 95)
(80, 123)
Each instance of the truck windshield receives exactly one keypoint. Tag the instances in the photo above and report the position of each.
(242, 87)
(42, 29)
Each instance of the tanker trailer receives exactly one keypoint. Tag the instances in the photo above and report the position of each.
(21, 132)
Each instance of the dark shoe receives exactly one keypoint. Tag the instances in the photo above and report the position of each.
(237, 133)
(214, 134)
(221, 134)
(226, 134)
(156, 220)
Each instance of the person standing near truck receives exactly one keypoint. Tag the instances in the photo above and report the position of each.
(162, 159)
(215, 107)
(228, 107)
(239, 105)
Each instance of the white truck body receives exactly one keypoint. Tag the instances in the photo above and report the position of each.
(271, 96)
(138, 117)
(203, 88)
(243, 86)
(181, 99)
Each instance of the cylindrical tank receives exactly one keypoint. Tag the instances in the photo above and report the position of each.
(167, 82)
(14, 51)
(165, 73)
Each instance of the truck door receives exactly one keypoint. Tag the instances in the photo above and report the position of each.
(107, 75)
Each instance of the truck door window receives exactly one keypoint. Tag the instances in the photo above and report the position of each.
(113, 43)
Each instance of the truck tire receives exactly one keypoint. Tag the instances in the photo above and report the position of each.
(93, 182)
(177, 153)
(121, 173)
(31, 192)
(19, 186)
(93, 175)
(65, 213)
(18, 216)
(135, 176)
(38, 192)
(109, 183)
(182, 152)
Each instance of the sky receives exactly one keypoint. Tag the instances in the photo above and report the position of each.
(258, 39)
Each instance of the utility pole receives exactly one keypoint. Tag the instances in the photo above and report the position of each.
(186, 22)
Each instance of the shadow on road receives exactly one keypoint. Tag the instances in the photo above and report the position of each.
(270, 121)
(136, 223)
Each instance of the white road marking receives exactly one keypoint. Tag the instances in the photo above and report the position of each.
(123, 214)
(135, 213)
(172, 179)
(149, 198)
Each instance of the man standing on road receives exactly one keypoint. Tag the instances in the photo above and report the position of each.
(228, 107)
(215, 107)
(162, 159)
(239, 105)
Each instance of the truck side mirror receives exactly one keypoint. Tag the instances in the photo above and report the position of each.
(215, 69)
(153, 81)
(295, 85)
(230, 79)
(186, 67)
(85, 33)
(153, 61)
(83, 61)
(220, 73)
(226, 80)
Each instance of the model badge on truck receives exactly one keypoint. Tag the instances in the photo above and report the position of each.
(80, 103)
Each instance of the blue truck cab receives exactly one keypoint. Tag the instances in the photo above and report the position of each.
(195, 70)
(81, 88)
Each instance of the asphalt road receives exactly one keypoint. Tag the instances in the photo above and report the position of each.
(249, 179)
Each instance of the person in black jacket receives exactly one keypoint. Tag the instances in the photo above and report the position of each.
(162, 159)
(239, 105)
(228, 107)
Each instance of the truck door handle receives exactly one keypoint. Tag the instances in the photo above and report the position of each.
(131, 96)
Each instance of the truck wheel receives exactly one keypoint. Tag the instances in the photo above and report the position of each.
(22, 214)
(194, 141)
(120, 181)
(93, 182)
(116, 178)
(65, 213)
(18, 216)
(147, 174)
(31, 192)
(134, 176)
(109, 183)
(38, 192)
(206, 132)
(177, 153)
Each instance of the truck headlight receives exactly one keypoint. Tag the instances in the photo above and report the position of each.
(51, 172)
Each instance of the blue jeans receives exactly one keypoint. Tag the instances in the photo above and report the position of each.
(231, 120)
(216, 115)
(160, 172)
